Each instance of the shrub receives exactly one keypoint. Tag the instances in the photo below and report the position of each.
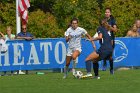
(125, 12)
(87, 12)
(43, 25)
(7, 16)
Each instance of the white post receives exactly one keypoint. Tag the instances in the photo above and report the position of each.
(18, 23)
(18, 26)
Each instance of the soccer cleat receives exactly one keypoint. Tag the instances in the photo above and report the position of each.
(112, 72)
(96, 77)
(87, 75)
(65, 76)
(20, 72)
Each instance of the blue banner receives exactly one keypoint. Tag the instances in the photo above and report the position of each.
(51, 53)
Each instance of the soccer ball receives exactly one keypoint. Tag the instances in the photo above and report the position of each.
(78, 74)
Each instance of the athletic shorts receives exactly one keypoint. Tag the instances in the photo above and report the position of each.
(71, 50)
(103, 54)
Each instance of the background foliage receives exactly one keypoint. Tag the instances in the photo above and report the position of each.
(125, 12)
(50, 18)
(7, 15)
(87, 11)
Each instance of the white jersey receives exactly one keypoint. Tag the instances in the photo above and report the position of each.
(75, 40)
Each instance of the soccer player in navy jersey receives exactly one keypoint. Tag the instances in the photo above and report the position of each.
(105, 50)
(113, 28)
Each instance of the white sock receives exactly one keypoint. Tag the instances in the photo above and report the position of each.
(65, 70)
(74, 64)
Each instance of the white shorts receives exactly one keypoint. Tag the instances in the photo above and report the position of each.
(71, 50)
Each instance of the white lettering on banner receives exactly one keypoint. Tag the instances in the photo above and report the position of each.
(6, 57)
(46, 51)
(57, 52)
(17, 54)
(33, 55)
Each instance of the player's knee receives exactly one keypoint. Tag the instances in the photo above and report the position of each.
(74, 57)
(67, 64)
(87, 59)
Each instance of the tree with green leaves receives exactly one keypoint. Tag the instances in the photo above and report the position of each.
(43, 25)
(87, 12)
(7, 15)
(125, 12)
(49, 18)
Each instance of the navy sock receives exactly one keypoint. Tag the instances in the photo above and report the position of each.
(95, 68)
(111, 64)
(104, 63)
(88, 66)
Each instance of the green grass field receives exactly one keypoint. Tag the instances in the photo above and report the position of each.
(122, 82)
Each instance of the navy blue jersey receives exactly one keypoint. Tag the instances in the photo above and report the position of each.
(27, 34)
(112, 22)
(105, 42)
(98, 31)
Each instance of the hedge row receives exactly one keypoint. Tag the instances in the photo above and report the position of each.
(49, 18)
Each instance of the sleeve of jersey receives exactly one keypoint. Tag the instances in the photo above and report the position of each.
(99, 30)
(84, 32)
(113, 22)
(66, 33)
(19, 34)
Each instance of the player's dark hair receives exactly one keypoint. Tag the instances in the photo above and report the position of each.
(102, 21)
(108, 8)
(69, 25)
(74, 19)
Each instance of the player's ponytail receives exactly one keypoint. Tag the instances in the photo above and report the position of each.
(105, 24)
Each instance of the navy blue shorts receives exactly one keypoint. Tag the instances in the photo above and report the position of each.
(103, 54)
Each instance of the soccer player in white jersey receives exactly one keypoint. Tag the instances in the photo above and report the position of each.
(73, 38)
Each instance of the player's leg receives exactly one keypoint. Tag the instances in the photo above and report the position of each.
(75, 54)
(108, 56)
(104, 65)
(68, 59)
(96, 69)
(92, 57)
(88, 67)
(111, 58)
(111, 65)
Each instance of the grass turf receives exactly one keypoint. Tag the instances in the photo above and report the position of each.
(122, 82)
